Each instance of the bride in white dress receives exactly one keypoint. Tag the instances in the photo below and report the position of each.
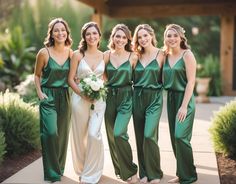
(86, 138)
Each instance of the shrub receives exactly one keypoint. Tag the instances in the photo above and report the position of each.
(2, 146)
(20, 123)
(26, 89)
(209, 66)
(223, 129)
(18, 58)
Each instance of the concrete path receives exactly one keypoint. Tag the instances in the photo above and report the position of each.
(204, 155)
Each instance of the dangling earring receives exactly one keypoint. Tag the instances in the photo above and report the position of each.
(139, 48)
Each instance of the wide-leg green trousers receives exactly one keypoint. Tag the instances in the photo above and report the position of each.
(54, 130)
(117, 116)
(147, 108)
(180, 134)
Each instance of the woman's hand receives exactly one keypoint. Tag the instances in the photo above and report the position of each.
(182, 113)
(77, 80)
(86, 98)
(42, 96)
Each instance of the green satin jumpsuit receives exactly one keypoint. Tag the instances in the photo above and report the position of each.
(54, 119)
(117, 116)
(175, 81)
(147, 108)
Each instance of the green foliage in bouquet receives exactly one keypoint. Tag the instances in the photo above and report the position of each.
(20, 123)
(93, 88)
(223, 130)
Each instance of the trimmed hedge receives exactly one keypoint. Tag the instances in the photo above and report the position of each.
(223, 129)
(20, 123)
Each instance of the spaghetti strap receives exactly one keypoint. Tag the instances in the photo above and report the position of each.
(109, 58)
(129, 55)
(166, 58)
(184, 52)
(157, 53)
(69, 53)
(48, 51)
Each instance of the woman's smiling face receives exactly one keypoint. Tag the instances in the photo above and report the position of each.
(59, 33)
(120, 39)
(144, 38)
(172, 39)
(92, 36)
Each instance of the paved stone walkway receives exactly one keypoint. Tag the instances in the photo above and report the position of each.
(204, 155)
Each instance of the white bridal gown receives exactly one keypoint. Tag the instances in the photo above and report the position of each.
(86, 138)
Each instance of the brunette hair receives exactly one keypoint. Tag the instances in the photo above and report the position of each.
(83, 44)
(49, 40)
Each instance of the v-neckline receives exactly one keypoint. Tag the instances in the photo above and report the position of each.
(119, 65)
(171, 67)
(61, 65)
(90, 67)
(148, 63)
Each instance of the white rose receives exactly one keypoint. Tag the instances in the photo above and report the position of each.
(100, 83)
(95, 86)
(87, 80)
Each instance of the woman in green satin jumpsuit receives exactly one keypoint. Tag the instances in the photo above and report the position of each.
(179, 72)
(147, 102)
(51, 73)
(119, 61)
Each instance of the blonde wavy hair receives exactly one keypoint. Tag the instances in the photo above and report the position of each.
(125, 29)
(181, 32)
(138, 48)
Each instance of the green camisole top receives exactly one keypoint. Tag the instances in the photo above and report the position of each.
(121, 76)
(149, 76)
(175, 77)
(55, 75)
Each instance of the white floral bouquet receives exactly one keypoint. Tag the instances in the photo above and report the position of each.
(93, 88)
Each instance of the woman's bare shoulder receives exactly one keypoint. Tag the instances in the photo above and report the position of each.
(42, 55)
(77, 54)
